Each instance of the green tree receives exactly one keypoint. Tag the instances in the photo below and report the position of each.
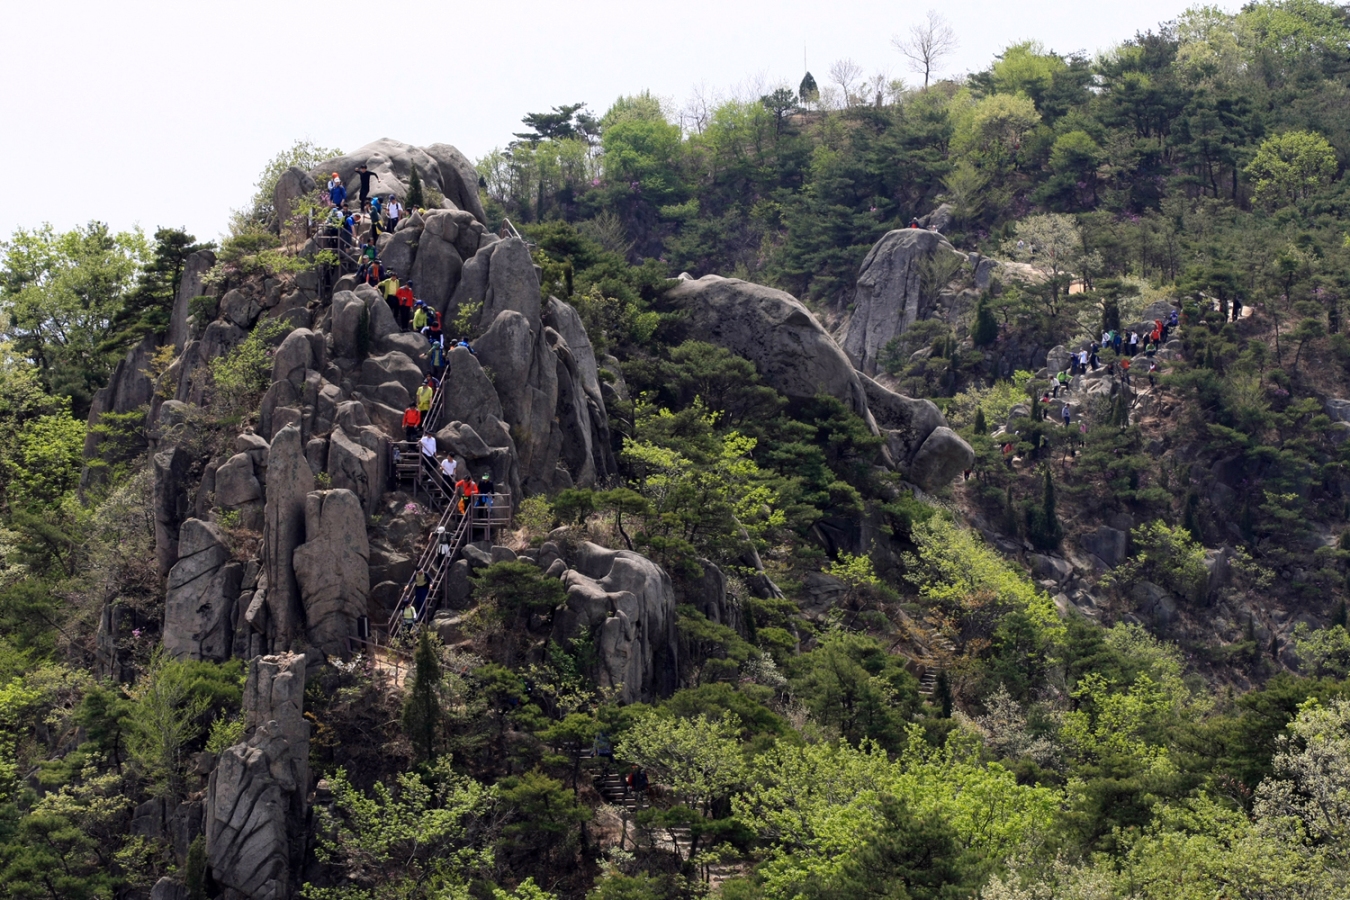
(984, 331)
(1291, 166)
(422, 715)
(699, 758)
(1044, 529)
(148, 307)
(415, 199)
(60, 295)
(417, 838)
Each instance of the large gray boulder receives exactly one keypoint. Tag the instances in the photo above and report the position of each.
(585, 389)
(776, 332)
(289, 482)
(440, 167)
(459, 179)
(943, 456)
(189, 285)
(355, 467)
(294, 357)
(347, 311)
(893, 291)
(525, 375)
(512, 282)
(293, 186)
(333, 569)
(256, 796)
(199, 603)
(627, 603)
(436, 267)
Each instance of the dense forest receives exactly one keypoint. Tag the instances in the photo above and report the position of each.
(959, 692)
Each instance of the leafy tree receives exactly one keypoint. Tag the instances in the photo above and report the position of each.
(60, 295)
(260, 213)
(699, 758)
(904, 857)
(1053, 243)
(415, 838)
(851, 684)
(1291, 166)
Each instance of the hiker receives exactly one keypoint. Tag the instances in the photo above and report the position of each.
(409, 617)
(405, 305)
(365, 175)
(337, 194)
(436, 357)
(1116, 341)
(412, 421)
(425, 393)
(1064, 412)
(376, 209)
(1152, 372)
(485, 489)
(1125, 371)
(1063, 379)
(1045, 398)
(419, 318)
(1237, 309)
(464, 342)
(392, 212)
(421, 584)
(913, 223)
(1134, 343)
(428, 445)
(1173, 318)
(433, 326)
(448, 467)
(636, 780)
(443, 541)
(1008, 455)
(348, 226)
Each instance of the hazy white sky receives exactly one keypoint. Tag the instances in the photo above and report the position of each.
(163, 113)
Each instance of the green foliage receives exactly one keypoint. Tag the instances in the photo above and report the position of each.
(818, 805)
(242, 376)
(60, 297)
(1167, 556)
(260, 212)
(853, 687)
(416, 198)
(1043, 526)
(422, 715)
(699, 758)
(1291, 166)
(419, 837)
(195, 870)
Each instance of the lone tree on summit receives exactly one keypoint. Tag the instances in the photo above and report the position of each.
(926, 44)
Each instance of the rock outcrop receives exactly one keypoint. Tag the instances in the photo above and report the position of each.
(203, 588)
(793, 353)
(255, 803)
(289, 482)
(627, 603)
(798, 358)
(440, 167)
(332, 569)
(895, 290)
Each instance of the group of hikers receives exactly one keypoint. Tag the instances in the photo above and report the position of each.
(342, 222)
(1126, 345)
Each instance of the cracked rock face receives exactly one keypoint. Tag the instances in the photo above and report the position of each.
(203, 587)
(332, 568)
(255, 807)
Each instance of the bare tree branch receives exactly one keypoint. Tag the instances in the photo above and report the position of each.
(926, 45)
(845, 73)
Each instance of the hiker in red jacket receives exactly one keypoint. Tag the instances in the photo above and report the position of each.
(412, 422)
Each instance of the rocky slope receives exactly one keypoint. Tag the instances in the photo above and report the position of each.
(306, 472)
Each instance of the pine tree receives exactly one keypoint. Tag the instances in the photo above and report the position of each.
(985, 330)
(422, 709)
(415, 198)
(195, 875)
(1043, 527)
(1110, 315)
(981, 427)
(809, 92)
